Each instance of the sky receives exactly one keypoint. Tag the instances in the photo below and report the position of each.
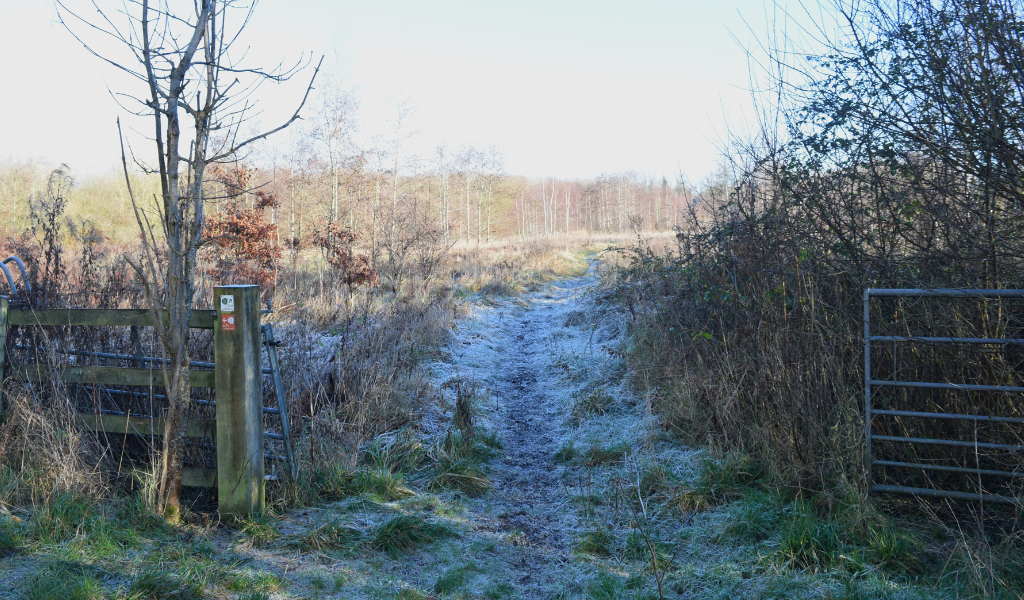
(566, 88)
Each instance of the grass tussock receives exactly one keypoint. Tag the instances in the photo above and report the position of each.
(450, 581)
(598, 541)
(331, 535)
(402, 534)
(374, 482)
(596, 401)
(459, 463)
(168, 585)
(598, 454)
(65, 580)
(260, 530)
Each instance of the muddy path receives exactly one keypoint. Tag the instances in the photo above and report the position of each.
(517, 357)
(527, 358)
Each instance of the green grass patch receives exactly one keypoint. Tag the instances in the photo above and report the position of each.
(402, 453)
(248, 580)
(605, 586)
(656, 480)
(330, 535)
(895, 550)
(565, 453)
(381, 484)
(404, 533)
(636, 548)
(12, 536)
(602, 455)
(375, 482)
(61, 580)
(754, 518)
(591, 402)
(178, 584)
(458, 464)
(259, 530)
(808, 542)
(499, 591)
(61, 518)
(597, 541)
(450, 581)
(720, 480)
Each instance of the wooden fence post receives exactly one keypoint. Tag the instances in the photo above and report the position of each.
(3, 347)
(239, 375)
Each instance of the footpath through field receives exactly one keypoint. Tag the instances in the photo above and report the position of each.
(566, 488)
(546, 380)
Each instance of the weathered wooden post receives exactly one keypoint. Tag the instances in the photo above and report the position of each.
(239, 375)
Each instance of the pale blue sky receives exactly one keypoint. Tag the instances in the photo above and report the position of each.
(565, 88)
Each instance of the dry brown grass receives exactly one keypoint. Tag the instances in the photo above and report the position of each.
(44, 452)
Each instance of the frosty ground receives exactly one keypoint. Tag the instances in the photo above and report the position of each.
(589, 497)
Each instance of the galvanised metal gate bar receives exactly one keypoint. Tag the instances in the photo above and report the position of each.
(870, 412)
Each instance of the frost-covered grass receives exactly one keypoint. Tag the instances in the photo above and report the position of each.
(553, 480)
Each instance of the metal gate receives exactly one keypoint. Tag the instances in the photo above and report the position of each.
(871, 412)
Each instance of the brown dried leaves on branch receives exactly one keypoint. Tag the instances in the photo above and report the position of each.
(336, 242)
(244, 243)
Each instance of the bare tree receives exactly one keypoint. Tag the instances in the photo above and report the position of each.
(199, 96)
(494, 168)
(468, 162)
(333, 124)
(443, 171)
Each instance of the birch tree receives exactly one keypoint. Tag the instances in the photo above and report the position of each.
(333, 124)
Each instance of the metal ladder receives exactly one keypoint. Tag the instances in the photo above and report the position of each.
(271, 344)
